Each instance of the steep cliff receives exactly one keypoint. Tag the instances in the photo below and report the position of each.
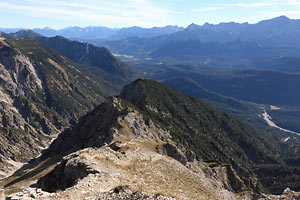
(41, 93)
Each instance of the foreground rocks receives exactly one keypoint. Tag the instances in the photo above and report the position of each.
(66, 174)
(137, 170)
(125, 157)
(118, 193)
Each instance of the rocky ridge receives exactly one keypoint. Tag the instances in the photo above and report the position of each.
(98, 60)
(138, 160)
(146, 145)
(41, 93)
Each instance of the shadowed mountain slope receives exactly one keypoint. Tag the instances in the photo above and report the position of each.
(41, 93)
(98, 60)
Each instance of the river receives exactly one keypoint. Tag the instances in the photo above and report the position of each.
(268, 119)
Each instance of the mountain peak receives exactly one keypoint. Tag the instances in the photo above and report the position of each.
(148, 110)
(23, 33)
(128, 147)
(282, 17)
(192, 27)
(48, 28)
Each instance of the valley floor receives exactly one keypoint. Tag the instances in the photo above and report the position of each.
(271, 123)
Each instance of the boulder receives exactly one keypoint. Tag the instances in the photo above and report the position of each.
(66, 174)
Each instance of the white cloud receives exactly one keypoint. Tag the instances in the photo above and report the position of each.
(289, 8)
(253, 5)
(292, 2)
(108, 13)
(146, 13)
(294, 14)
(268, 3)
(208, 9)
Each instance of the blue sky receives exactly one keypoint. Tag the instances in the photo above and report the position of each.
(145, 13)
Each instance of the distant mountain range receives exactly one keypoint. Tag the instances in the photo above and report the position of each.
(226, 44)
(234, 54)
(277, 32)
(94, 32)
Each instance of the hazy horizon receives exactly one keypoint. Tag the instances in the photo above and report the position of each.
(46, 27)
(144, 13)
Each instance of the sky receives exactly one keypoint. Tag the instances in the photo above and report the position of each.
(145, 13)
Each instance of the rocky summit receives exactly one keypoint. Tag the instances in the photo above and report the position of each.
(126, 157)
(138, 146)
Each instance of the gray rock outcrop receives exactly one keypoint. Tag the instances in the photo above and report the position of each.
(66, 174)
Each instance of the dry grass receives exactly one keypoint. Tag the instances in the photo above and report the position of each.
(150, 172)
(28, 176)
(274, 107)
(2, 40)
(164, 178)
(57, 66)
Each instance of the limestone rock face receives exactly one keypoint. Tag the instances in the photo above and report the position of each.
(41, 93)
(19, 78)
